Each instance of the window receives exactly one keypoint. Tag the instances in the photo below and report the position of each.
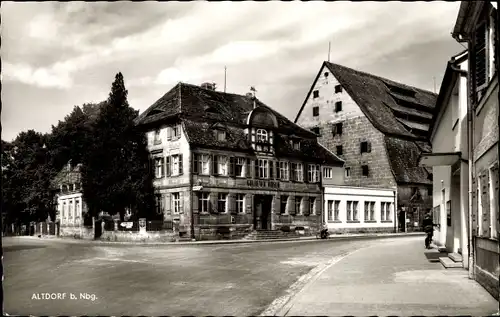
(298, 201)
(159, 204)
(263, 166)
(330, 210)
(64, 210)
(283, 170)
(176, 131)
(222, 203)
(316, 130)
(338, 89)
(157, 137)
(355, 211)
(261, 135)
(493, 185)
(159, 167)
(481, 71)
(364, 169)
(77, 208)
(175, 165)
(70, 212)
(385, 211)
(313, 173)
(315, 111)
(429, 191)
(295, 144)
(337, 129)
(203, 202)
(283, 204)
(326, 74)
(365, 147)
(339, 150)
(336, 211)
(327, 172)
(176, 202)
(312, 205)
(369, 211)
(220, 165)
(338, 106)
(315, 94)
(297, 172)
(240, 170)
(220, 135)
(204, 164)
(349, 210)
(240, 199)
(347, 172)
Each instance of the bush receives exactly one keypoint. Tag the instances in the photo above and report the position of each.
(285, 228)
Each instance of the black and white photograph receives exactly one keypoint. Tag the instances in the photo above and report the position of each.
(254, 158)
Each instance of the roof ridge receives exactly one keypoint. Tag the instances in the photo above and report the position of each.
(220, 92)
(384, 79)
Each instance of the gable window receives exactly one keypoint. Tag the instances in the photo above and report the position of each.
(316, 130)
(326, 74)
(338, 89)
(347, 172)
(240, 199)
(240, 164)
(261, 135)
(176, 201)
(315, 111)
(220, 135)
(222, 203)
(176, 131)
(365, 147)
(316, 94)
(339, 150)
(263, 166)
(157, 137)
(298, 202)
(364, 169)
(338, 106)
(283, 170)
(203, 202)
(327, 172)
(283, 204)
(337, 129)
(159, 167)
(313, 173)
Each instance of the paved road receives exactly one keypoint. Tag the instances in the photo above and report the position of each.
(157, 280)
(399, 280)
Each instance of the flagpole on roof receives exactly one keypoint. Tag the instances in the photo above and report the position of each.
(329, 47)
(225, 74)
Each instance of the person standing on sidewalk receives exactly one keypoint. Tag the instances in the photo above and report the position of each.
(428, 225)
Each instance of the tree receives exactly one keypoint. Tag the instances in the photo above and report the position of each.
(115, 173)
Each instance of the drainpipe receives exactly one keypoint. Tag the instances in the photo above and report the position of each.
(395, 210)
(191, 193)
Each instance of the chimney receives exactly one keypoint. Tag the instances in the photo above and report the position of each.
(209, 86)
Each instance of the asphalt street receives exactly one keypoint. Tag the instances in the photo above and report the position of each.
(239, 279)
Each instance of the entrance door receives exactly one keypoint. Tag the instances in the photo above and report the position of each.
(402, 221)
(262, 212)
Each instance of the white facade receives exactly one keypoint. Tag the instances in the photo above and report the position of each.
(70, 209)
(356, 208)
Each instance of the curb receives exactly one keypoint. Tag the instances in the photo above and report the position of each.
(212, 242)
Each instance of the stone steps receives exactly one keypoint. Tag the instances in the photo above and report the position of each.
(269, 235)
(455, 257)
(449, 263)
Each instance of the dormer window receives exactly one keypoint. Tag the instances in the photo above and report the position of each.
(220, 135)
(295, 144)
(261, 135)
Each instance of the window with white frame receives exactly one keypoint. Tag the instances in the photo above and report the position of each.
(298, 203)
(284, 171)
(336, 210)
(240, 167)
(369, 210)
(175, 165)
(77, 208)
(70, 213)
(355, 211)
(204, 164)
(298, 172)
(159, 167)
(176, 202)
(263, 168)
(220, 135)
(330, 210)
(494, 214)
(312, 205)
(221, 166)
(64, 210)
(176, 131)
(222, 203)
(313, 173)
(349, 210)
(261, 136)
(385, 211)
(240, 203)
(327, 172)
(203, 202)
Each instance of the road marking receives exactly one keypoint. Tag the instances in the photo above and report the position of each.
(282, 305)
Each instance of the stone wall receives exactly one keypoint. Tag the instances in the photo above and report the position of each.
(85, 233)
(127, 236)
(361, 230)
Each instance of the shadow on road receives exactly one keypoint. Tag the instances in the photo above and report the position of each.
(433, 256)
(21, 247)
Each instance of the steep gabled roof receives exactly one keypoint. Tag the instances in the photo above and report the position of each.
(383, 101)
(67, 175)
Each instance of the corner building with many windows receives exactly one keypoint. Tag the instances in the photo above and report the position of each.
(227, 164)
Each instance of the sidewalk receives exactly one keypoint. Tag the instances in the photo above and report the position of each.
(308, 238)
(398, 277)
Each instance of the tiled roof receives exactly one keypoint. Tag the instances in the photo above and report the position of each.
(374, 96)
(200, 108)
(67, 176)
(403, 158)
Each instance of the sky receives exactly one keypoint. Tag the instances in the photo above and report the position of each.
(58, 55)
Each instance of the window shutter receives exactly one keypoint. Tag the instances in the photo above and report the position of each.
(169, 133)
(168, 204)
(306, 201)
(248, 203)
(480, 50)
(256, 169)
(181, 169)
(168, 166)
(181, 202)
(196, 164)
(196, 200)
(215, 167)
(232, 203)
(291, 205)
(248, 169)
(232, 166)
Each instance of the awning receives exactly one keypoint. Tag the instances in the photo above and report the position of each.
(439, 159)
